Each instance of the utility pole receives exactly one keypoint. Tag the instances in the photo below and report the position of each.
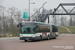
(29, 9)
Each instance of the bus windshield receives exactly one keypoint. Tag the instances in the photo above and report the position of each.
(27, 28)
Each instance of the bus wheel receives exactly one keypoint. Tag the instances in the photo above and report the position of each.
(48, 37)
(40, 38)
(25, 40)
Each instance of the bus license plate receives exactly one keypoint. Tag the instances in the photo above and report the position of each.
(27, 38)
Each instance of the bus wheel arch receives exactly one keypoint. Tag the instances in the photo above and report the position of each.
(25, 40)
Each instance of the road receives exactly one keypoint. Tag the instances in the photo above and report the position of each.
(63, 42)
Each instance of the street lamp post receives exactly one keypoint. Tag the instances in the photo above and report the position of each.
(39, 11)
(41, 7)
(44, 4)
(29, 8)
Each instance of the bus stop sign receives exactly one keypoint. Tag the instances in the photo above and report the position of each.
(25, 15)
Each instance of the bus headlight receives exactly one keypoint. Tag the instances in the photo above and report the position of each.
(33, 36)
(21, 35)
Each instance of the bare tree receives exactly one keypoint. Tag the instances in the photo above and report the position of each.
(35, 9)
(2, 13)
(62, 21)
(12, 13)
(70, 22)
(19, 16)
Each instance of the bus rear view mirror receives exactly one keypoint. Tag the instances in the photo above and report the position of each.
(18, 25)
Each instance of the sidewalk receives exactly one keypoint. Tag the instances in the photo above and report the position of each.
(9, 38)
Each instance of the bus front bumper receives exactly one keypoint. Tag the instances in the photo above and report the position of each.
(29, 38)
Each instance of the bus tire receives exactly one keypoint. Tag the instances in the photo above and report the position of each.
(40, 38)
(25, 40)
(48, 37)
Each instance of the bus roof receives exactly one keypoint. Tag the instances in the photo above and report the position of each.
(36, 22)
(33, 22)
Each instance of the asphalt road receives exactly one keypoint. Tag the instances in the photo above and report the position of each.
(63, 42)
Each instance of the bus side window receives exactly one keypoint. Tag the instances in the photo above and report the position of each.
(54, 28)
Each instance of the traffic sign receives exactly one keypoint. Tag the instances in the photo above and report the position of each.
(25, 15)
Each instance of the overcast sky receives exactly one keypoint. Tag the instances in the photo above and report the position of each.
(23, 4)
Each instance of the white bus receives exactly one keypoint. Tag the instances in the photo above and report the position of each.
(37, 31)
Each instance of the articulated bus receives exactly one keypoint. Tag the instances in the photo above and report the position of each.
(37, 31)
